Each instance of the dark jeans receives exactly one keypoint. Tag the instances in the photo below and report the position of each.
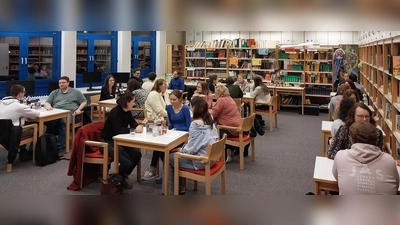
(128, 157)
(262, 107)
(154, 158)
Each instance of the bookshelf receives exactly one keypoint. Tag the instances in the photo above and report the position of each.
(221, 58)
(307, 67)
(381, 81)
(175, 58)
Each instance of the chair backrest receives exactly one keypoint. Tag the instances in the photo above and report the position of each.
(238, 101)
(274, 101)
(247, 123)
(94, 99)
(216, 150)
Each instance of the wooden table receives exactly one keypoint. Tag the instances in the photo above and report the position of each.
(326, 129)
(300, 90)
(110, 103)
(54, 114)
(251, 100)
(323, 177)
(162, 143)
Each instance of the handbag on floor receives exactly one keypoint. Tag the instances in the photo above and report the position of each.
(113, 185)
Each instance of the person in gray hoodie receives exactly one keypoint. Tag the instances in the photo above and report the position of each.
(364, 169)
(11, 108)
(202, 132)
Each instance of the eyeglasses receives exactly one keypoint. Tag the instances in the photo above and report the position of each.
(363, 117)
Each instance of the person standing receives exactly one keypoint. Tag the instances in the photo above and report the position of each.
(66, 98)
(177, 83)
(136, 75)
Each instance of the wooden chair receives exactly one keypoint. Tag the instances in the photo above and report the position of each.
(215, 152)
(271, 112)
(243, 139)
(76, 123)
(240, 105)
(94, 102)
(30, 138)
(140, 119)
(96, 158)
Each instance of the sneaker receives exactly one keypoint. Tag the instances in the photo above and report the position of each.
(228, 156)
(149, 175)
(158, 180)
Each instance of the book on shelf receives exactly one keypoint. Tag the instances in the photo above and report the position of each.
(397, 121)
(396, 65)
(388, 111)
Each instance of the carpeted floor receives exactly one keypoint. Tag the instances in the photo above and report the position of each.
(284, 166)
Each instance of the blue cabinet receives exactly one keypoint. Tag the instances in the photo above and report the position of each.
(95, 52)
(32, 49)
(143, 51)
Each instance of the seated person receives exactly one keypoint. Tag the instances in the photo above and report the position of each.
(117, 122)
(213, 83)
(345, 106)
(148, 85)
(109, 90)
(66, 98)
(203, 91)
(262, 95)
(178, 113)
(140, 96)
(234, 90)
(242, 83)
(177, 82)
(202, 132)
(339, 95)
(11, 108)
(342, 140)
(363, 168)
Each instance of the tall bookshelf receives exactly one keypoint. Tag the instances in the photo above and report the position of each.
(175, 58)
(380, 77)
(308, 67)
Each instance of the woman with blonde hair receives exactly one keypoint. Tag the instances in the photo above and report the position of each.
(156, 107)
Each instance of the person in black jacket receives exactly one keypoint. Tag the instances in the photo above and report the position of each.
(117, 123)
(109, 89)
(212, 83)
(234, 90)
(136, 76)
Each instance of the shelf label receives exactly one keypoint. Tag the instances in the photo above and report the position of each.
(256, 62)
(210, 49)
(190, 68)
(233, 61)
(263, 51)
(191, 49)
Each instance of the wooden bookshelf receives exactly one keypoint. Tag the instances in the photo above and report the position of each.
(381, 84)
(175, 59)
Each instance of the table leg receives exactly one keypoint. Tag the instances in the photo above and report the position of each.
(41, 127)
(317, 191)
(302, 102)
(116, 158)
(67, 129)
(166, 172)
(323, 144)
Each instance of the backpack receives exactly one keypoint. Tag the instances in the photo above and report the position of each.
(46, 150)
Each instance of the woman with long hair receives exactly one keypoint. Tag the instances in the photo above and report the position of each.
(359, 112)
(156, 107)
(140, 96)
(117, 122)
(262, 95)
(203, 91)
(178, 113)
(202, 132)
(109, 88)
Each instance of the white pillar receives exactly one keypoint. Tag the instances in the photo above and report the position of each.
(161, 51)
(68, 54)
(124, 51)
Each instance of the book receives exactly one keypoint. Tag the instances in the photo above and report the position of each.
(396, 65)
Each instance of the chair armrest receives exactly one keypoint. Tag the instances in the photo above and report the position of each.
(94, 104)
(138, 109)
(30, 126)
(191, 157)
(229, 128)
(96, 144)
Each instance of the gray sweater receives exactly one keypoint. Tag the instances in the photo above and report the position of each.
(365, 170)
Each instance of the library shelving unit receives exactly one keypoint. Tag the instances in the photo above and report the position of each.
(307, 67)
(175, 58)
(222, 59)
(380, 77)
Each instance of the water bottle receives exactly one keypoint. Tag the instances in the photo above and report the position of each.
(155, 128)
